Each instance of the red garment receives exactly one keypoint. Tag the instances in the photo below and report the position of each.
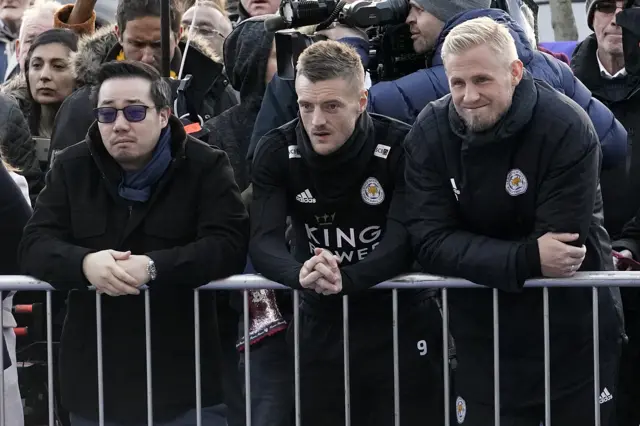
(564, 58)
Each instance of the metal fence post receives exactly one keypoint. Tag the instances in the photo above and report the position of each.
(196, 328)
(496, 357)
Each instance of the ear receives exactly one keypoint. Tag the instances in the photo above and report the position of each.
(117, 31)
(17, 48)
(165, 113)
(180, 33)
(364, 100)
(517, 71)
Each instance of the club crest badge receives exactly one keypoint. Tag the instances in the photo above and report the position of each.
(372, 192)
(516, 183)
(461, 410)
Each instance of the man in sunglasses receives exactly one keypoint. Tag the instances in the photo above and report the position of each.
(599, 62)
(139, 202)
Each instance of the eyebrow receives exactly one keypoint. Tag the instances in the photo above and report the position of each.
(127, 101)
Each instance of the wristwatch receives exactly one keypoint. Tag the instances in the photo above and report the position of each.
(151, 270)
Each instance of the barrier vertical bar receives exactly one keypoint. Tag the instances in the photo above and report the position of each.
(147, 332)
(247, 358)
(596, 356)
(547, 357)
(50, 360)
(2, 343)
(345, 347)
(165, 37)
(445, 356)
(496, 358)
(99, 353)
(396, 358)
(296, 354)
(196, 337)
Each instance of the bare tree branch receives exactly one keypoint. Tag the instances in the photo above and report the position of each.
(563, 21)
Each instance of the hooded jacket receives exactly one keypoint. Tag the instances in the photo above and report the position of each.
(246, 54)
(209, 92)
(16, 145)
(404, 98)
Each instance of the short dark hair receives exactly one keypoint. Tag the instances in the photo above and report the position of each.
(328, 59)
(160, 89)
(130, 10)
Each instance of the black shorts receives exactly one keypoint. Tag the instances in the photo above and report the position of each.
(371, 368)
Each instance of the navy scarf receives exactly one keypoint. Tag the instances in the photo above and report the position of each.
(136, 186)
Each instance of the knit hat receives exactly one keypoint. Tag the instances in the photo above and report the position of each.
(590, 6)
(447, 9)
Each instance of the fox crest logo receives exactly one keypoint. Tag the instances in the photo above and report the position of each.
(516, 183)
(461, 410)
(372, 192)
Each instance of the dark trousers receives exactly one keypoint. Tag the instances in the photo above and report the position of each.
(272, 382)
(371, 367)
(628, 398)
(575, 407)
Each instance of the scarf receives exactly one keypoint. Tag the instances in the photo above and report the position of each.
(121, 57)
(136, 185)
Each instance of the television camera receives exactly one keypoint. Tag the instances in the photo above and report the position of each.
(391, 53)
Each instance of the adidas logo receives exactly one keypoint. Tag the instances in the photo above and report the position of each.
(305, 197)
(605, 396)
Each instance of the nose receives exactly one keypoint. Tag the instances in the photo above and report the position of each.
(148, 55)
(45, 73)
(471, 95)
(121, 124)
(318, 119)
(411, 17)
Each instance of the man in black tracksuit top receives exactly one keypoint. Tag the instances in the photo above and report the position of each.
(502, 183)
(338, 172)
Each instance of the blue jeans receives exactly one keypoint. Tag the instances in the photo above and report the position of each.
(211, 416)
(272, 402)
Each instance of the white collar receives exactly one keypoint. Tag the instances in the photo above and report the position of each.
(606, 74)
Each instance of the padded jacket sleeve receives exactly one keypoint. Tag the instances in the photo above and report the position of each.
(404, 98)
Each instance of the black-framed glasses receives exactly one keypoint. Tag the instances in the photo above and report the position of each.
(132, 113)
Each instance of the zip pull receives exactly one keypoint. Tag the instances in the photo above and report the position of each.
(456, 191)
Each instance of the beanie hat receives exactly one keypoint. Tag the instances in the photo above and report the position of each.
(590, 6)
(447, 9)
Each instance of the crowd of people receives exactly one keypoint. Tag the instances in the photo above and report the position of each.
(497, 163)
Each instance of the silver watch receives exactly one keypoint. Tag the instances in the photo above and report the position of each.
(151, 270)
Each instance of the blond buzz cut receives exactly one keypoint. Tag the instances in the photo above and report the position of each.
(480, 32)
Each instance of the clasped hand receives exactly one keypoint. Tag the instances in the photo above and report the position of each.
(116, 273)
(321, 273)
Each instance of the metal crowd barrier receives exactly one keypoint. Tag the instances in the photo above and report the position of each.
(250, 282)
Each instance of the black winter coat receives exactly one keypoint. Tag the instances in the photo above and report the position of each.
(194, 227)
(16, 144)
(477, 204)
(14, 214)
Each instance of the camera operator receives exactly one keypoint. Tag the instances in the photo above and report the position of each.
(339, 173)
(599, 62)
(430, 21)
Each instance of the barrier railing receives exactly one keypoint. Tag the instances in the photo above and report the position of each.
(249, 282)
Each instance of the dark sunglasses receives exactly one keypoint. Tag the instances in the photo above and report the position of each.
(611, 6)
(132, 113)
